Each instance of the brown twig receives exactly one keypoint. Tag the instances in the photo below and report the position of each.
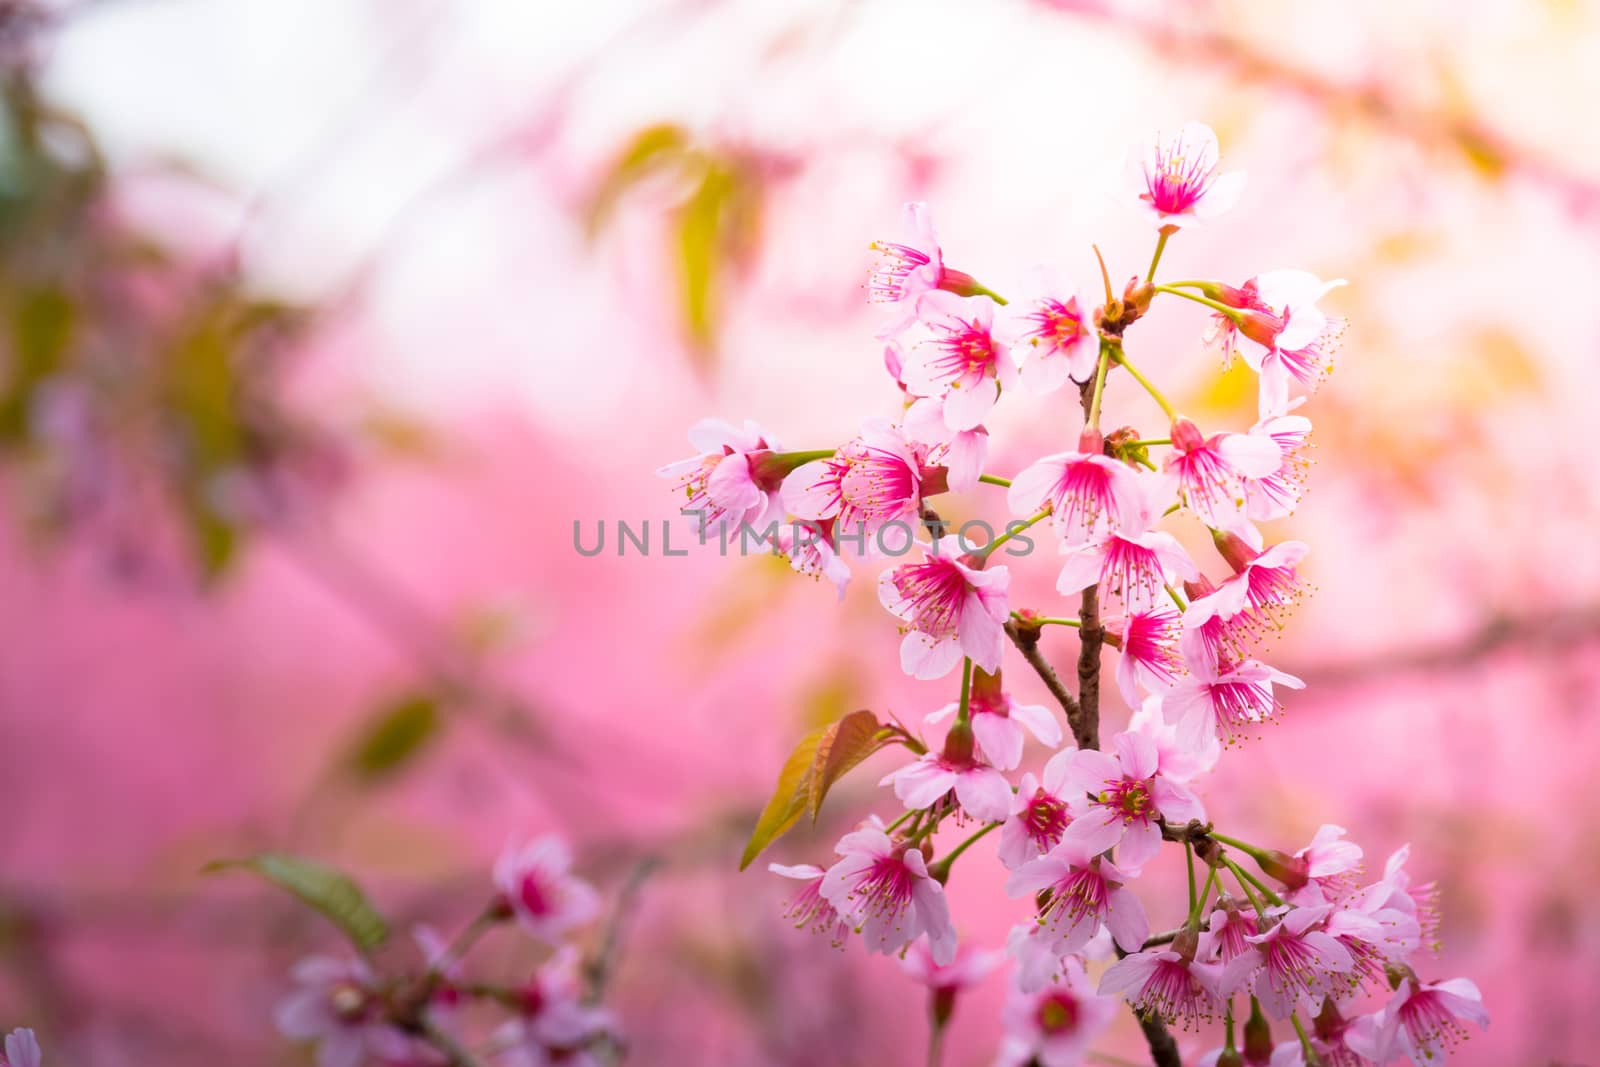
(1026, 638)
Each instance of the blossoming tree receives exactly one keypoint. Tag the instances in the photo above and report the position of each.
(1290, 956)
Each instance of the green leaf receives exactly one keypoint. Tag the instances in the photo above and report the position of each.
(701, 240)
(815, 764)
(325, 889)
(852, 739)
(651, 148)
(41, 331)
(394, 736)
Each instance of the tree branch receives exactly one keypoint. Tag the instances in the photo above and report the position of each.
(1026, 638)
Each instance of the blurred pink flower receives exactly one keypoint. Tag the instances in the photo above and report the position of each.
(1088, 493)
(1176, 178)
(884, 891)
(969, 968)
(22, 1049)
(962, 361)
(951, 610)
(1054, 1025)
(1119, 795)
(553, 1025)
(536, 883)
(810, 552)
(338, 1007)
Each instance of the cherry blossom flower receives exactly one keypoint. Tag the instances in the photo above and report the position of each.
(1395, 891)
(808, 908)
(1180, 760)
(1227, 935)
(884, 892)
(1278, 494)
(22, 1049)
(1291, 965)
(1309, 365)
(1210, 472)
(950, 610)
(1137, 568)
(1040, 813)
(970, 967)
(1054, 1025)
(873, 480)
(1052, 332)
(1177, 182)
(998, 721)
(1225, 701)
(1263, 588)
(338, 1007)
(536, 883)
(961, 361)
(1331, 1034)
(724, 485)
(1163, 982)
(1085, 891)
(810, 551)
(1374, 938)
(1126, 794)
(963, 453)
(1424, 1020)
(980, 789)
(1088, 493)
(905, 271)
(1289, 337)
(1325, 869)
(1150, 657)
(553, 1025)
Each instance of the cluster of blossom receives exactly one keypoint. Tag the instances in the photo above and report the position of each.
(1299, 942)
(356, 1014)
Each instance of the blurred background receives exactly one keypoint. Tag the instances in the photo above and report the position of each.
(322, 323)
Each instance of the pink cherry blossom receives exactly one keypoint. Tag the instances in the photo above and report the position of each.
(807, 908)
(961, 360)
(1052, 332)
(1374, 938)
(1225, 701)
(1330, 865)
(1308, 365)
(1088, 493)
(1039, 813)
(723, 485)
(1278, 494)
(1180, 760)
(950, 610)
(1137, 568)
(1126, 795)
(339, 1007)
(980, 789)
(998, 721)
(1054, 1026)
(884, 892)
(553, 1025)
(1176, 179)
(1210, 472)
(873, 480)
(1396, 891)
(968, 969)
(809, 549)
(1085, 891)
(905, 271)
(1227, 935)
(963, 453)
(1150, 657)
(1264, 588)
(22, 1049)
(1163, 982)
(1425, 1021)
(1288, 336)
(1291, 965)
(535, 881)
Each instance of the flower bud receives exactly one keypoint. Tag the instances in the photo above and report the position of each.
(1257, 1035)
(958, 744)
(960, 283)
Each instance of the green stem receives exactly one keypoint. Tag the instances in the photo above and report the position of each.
(984, 290)
(1188, 857)
(1177, 598)
(1249, 894)
(1011, 531)
(899, 822)
(1272, 897)
(1197, 907)
(963, 713)
(1312, 1059)
(990, 479)
(798, 458)
(1161, 246)
(1255, 852)
(487, 919)
(1147, 442)
(935, 1043)
(1099, 385)
(1155, 393)
(1217, 306)
(1051, 620)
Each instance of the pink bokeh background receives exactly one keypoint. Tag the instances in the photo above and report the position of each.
(496, 373)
